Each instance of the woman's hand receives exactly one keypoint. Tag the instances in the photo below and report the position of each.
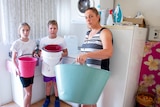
(81, 58)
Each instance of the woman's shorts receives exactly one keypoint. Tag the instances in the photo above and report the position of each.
(26, 81)
(47, 79)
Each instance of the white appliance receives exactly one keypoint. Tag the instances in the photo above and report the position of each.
(125, 64)
(70, 40)
(79, 6)
(38, 89)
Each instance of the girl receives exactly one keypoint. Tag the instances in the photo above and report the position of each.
(20, 47)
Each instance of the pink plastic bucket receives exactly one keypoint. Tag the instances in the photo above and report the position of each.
(27, 66)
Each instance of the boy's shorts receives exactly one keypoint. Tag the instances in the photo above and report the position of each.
(26, 81)
(47, 79)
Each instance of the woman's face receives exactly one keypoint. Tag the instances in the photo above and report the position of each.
(52, 30)
(24, 31)
(91, 18)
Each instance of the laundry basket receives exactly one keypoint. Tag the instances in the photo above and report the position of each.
(80, 83)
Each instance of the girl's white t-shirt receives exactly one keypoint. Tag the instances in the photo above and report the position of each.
(23, 48)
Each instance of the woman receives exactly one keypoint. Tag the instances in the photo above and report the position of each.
(97, 47)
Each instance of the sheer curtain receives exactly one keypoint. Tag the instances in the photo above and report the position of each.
(64, 16)
(35, 12)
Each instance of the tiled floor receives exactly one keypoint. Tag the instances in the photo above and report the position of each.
(38, 104)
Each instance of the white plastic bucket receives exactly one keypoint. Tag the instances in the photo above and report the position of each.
(52, 51)
(51, 55)
(48, 65)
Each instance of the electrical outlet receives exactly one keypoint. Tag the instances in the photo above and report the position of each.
(154, 33)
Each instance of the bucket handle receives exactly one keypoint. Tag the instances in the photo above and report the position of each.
(74, 62)
(25, 55)
(79, 63)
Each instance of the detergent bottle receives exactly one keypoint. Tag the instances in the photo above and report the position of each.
(110, 18)
(117, 15)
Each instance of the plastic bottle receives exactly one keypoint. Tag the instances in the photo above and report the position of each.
(117, 15)
(110, 18)
(99, 9)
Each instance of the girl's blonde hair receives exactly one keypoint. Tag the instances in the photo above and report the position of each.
(21, 25)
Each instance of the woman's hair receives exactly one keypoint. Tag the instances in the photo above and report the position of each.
(21, 25)
(53, 22)
(94, 10)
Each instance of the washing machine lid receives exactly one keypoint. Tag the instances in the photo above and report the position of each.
(83, 5)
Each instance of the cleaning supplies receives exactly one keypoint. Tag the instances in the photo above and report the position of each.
(117, 15)
(99, 9)
(110, 18)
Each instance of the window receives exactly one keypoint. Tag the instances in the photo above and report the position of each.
(36, 13)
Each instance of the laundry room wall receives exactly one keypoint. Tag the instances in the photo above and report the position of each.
(149, 8)
(75, 24)
(67, 27)
(5, 80)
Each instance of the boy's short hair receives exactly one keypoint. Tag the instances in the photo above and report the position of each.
(52, 22)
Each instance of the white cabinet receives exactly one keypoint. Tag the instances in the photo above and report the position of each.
(38, 89)
(128, 43)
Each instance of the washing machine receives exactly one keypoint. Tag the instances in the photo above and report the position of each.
(78, 8)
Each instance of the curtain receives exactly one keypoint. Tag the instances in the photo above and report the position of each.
(63, 17)
(36, 13)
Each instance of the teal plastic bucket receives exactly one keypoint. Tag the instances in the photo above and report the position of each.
(80, 83)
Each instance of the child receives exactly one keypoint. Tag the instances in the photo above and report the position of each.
(51, 80)
(20, 47)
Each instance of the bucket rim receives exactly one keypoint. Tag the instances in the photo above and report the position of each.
(33, 59)
(84, 66)
(53, 45)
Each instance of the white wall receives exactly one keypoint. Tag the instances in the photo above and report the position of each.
(66, 27)
(149, 8)
(5, 81)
